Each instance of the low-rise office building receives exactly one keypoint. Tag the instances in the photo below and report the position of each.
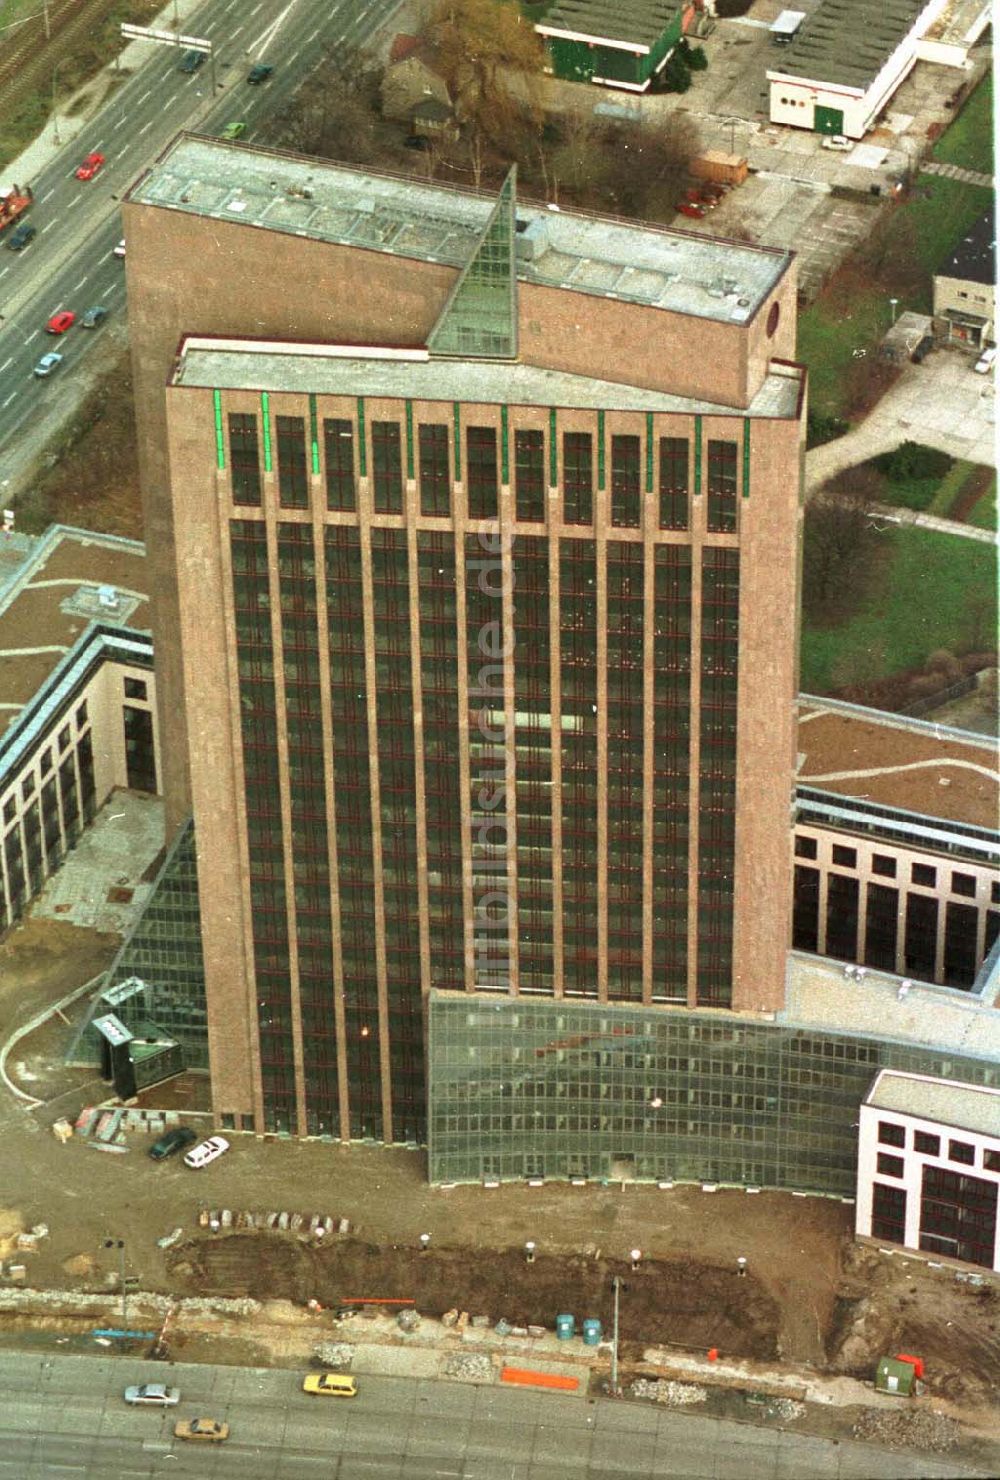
(965, 288)
(613, 44)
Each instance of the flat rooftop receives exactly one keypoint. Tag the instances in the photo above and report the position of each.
(974, 260)
(847, 41)
(325, 202)
(49, 596)
(965, 1106)
(327, 370)
(894, 761)
(635, 24)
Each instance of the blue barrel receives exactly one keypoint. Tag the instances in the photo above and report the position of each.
(591, 1331)
(565, 1327)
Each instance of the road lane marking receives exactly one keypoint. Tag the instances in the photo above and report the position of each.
(122, 121)
(47, 227)
(4, 270)
(145, 95)
(33, 335)
(6, 362)
(10, 398)
(173, 96)
(146, 126)
(109, 290)
(255, 10)
(81, 284)
(43, 198)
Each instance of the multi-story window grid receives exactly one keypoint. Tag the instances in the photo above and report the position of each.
(578, 478)
(355, 849)
(674, 463)
(671, 770)
(442, 800)
(308, 823)
(338, 447)
(244, 458)
(435, 474)
(578, 645)
(529, 475)
(391, 597)
(293, 481)
(387, 467)
(626, 468)
(266, 863)
(491, 901)
(481, 472)
(625, 572)
(958, 1215)
(717, 774)
(534, 739)
(722, 467)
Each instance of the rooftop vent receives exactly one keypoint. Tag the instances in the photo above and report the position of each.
(533, 241)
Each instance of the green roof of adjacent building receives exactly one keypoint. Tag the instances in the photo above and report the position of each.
(848, 41)
(635, 25)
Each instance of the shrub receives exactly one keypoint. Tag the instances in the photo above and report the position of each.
(696, 58)
(822, 427)
(910, 460)
(676, 74)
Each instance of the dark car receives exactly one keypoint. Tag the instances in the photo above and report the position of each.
(172, 1142)
(260, 73)
(923, 348)
(21, 236)
(191, 61)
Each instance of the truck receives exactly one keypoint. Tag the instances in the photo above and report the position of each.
(14, 201)
(714, 164)
(785, 29)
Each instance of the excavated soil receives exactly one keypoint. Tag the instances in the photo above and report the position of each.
(667, 1302)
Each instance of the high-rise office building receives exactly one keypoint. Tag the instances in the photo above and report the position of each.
(474, 529)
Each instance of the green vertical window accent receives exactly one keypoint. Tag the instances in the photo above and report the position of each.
(504, 458)
(649, 452)
(362, 447)
(313, 435)
(480, 316)
(553, 450)
(600, 449)
(265, 416)
(457, 408)
(409, 439)
(220, 445)
(746, 457)
(697, 455)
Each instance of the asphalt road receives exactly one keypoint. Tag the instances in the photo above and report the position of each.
(65, 1417)
(70, 264)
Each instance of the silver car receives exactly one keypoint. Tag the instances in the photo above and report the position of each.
(47, 364)
(153, 1395)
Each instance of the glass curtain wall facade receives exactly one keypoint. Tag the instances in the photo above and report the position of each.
(487, 712)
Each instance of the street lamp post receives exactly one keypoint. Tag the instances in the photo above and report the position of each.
(893, 302)
(616, 1284)
(119, 1244)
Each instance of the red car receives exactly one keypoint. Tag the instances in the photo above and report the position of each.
(60, 322)
(691, 208)
(90, 167)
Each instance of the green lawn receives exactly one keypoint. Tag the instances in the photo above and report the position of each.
(921, 234)
(925, 600)
(968, 141)
(984, 512)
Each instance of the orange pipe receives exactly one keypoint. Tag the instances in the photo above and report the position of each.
(525, 1378)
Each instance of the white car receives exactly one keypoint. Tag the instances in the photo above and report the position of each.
(985, 363)
(208, 1150)
(153, 1394)
(838, 141)
(120, 249)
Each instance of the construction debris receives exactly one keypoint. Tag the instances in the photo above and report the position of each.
(908, 1429)
(470, 1367)
(334, 1353)
(408, 1320)
(169, 1239)
(671, 1394)
(62, 1130)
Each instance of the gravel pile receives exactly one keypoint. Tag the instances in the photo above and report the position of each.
(334, 1353)
(785, 1408)
(908, 1430)
(470, 1367)
(673, 1394)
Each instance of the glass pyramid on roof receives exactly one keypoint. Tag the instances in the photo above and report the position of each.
(480, 317)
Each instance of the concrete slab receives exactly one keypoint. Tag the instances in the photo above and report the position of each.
(113, 853)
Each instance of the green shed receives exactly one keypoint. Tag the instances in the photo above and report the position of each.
(618, 43)
(894, 1376)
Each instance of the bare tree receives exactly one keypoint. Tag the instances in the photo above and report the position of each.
(477, 42)
(838, 544)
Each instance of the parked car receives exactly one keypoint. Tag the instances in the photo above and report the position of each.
(691, 208)
(838, 141)
(330, 1384)
(21, 236)
(233, 130)
(90, 166)
(419, 142)
(173, 1141)
(259, 74)
(208, 1150)
(119, 251)
(191, 61)
(206, 1430)
(153, 1395)
(94, 317)
(60, 322)
(986, 360)
(48, 364)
